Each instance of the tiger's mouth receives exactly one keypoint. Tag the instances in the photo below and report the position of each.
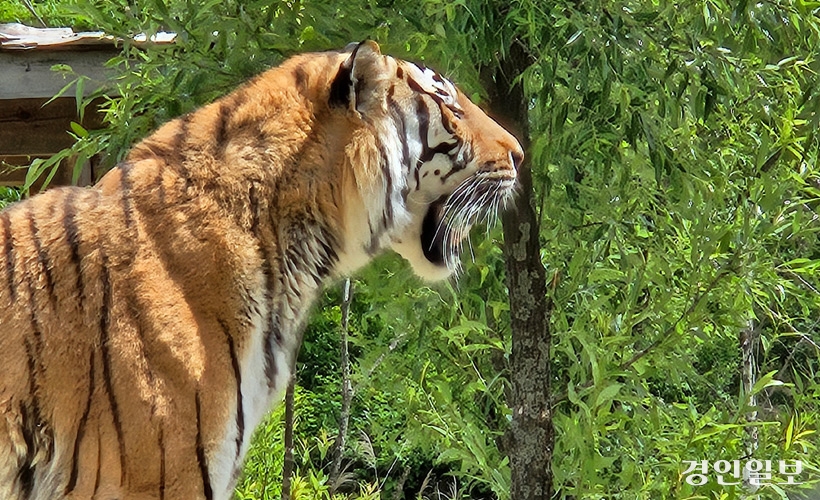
(434, 242)
(448, 220)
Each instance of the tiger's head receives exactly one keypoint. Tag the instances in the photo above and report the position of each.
(446, 165)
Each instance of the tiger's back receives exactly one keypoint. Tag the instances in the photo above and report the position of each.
(148, 323)
(105, 368)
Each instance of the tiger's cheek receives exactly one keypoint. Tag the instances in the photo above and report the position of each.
(441, 175)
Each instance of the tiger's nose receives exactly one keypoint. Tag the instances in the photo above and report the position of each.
(516, 157)
(515, 154)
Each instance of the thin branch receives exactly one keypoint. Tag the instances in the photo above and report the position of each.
(803, 339)
(347, 389)
(390, 348)
(658, 341)
(669, 331)
(541, 209)
(33, 12)
(288, 465)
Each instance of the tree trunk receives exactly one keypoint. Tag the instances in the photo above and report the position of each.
(529, 440)
(398, 489)
(748, 377)
(287, 466)
(347, 389)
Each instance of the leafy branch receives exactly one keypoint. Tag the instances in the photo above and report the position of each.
(722, 273)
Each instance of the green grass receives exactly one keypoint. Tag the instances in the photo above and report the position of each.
(55, 13)
(8, 195)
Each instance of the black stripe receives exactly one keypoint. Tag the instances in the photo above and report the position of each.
(200, 452)
(31, 363)
(160, 187)
(32, 372)
(444, 148)
(267, 272)
(414, 85)
(25, 473)
(36, 434)
(240, 413)
(125, 194)
(72, 234)
(261, 140)
(105, 349)
(401, 128)
(427, 151)
(227, 106)
(221, 139)
(301, 77)
(375, 234)
(448, 125)
(249, 125)
(99, 467)
(132, 302)
(273, 334)
(72, 480)
(253, 201)
(150, 148)
(340, 87)
(181, 135)
(161, 463)
(8, 250)
(30, 425)
(459, 165)
(34, 355)
(327, 256)
(423, 117)
(178, 149)
(387, 214)
(42, 257)
(387, 211)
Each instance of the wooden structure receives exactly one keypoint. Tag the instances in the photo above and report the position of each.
(30, 128)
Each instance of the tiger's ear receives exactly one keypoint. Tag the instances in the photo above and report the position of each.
(362, 80)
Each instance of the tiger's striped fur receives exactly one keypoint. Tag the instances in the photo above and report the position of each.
(148, 323)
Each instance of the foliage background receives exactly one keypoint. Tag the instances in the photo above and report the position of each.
(675, 155)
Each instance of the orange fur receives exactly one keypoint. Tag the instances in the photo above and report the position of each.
(148, 323)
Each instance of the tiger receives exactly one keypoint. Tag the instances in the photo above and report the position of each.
(148, 323)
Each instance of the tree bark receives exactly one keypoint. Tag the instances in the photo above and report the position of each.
(529, 439)
(347, 389)
(398, 489)
(287, 466)
(748, 344)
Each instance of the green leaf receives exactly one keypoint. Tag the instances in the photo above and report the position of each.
(789, 433)
(438, 28)
(607, 394)
(765, 381)
(79, 130)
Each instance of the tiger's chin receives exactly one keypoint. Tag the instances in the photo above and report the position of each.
(431, 246)
(433, 242)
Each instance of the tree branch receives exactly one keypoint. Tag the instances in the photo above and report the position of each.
(30, 8)
(659, 340)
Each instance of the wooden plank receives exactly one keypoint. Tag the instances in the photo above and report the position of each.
(27, 73)
(27, 127)
(20, 36)
(16, 36)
